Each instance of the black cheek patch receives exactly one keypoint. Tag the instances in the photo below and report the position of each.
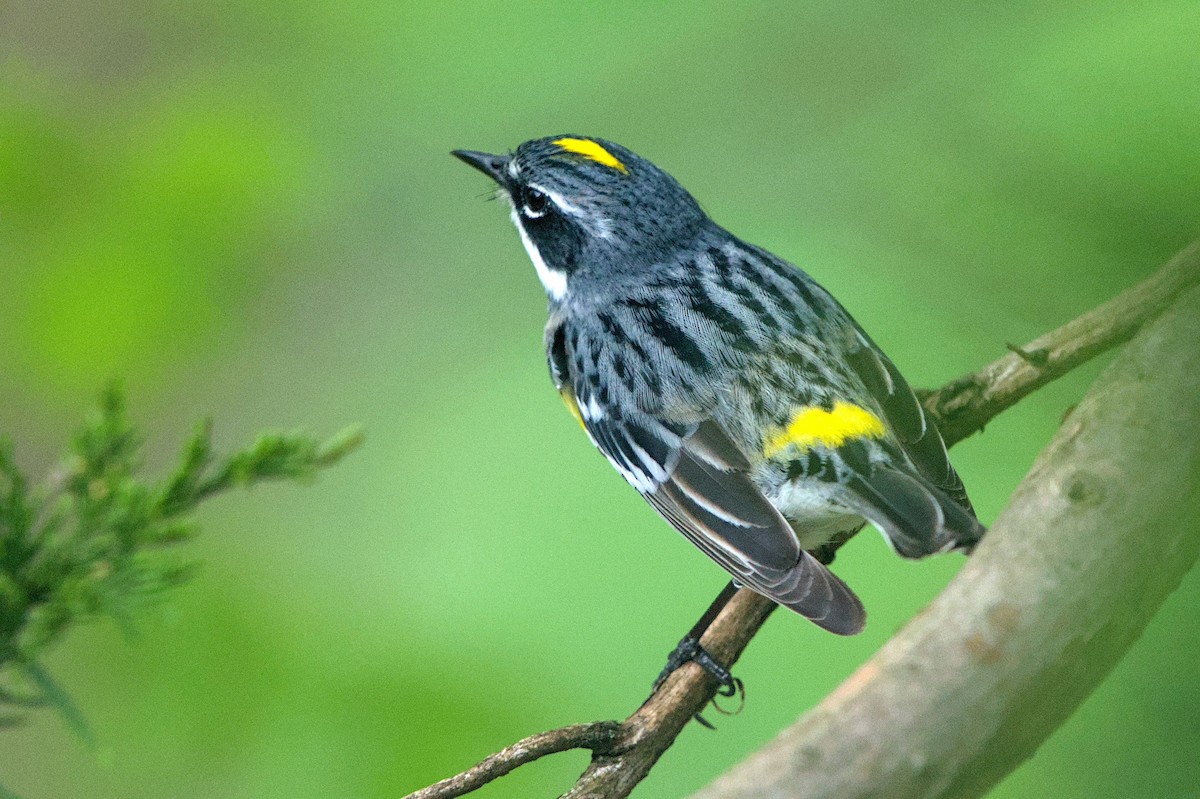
(558, 240)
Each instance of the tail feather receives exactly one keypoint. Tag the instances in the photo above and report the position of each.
(812, 590)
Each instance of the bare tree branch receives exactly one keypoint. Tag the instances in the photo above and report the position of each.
(599, 736)
(1101, 530)
(652, 729)
(962, 407)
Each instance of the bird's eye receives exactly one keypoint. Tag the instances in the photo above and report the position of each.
(534, 202)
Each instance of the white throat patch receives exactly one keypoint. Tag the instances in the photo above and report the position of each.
(553, 280)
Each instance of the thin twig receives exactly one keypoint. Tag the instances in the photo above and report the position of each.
(599, 736)
(961, 408)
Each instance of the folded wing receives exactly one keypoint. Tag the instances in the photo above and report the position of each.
(699, 481)
(921, 504)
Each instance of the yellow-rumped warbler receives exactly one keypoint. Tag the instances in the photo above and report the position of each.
(734, 393)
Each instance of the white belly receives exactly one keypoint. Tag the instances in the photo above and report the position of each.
(813, 514)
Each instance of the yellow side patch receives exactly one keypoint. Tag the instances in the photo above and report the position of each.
(811, 427)
(568, 398)
(592, 151)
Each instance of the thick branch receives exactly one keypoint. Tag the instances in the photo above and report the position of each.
(1101, 530)
(962, 407)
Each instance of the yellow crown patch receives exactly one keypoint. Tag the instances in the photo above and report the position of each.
(591, 151)
(811, 427)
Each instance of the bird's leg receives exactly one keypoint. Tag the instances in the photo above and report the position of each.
(689, 648)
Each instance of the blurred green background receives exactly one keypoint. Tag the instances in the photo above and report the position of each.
(246, 209)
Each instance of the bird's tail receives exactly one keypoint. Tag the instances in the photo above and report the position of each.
(812, 590)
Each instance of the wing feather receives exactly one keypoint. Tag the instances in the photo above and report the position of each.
(923, 507)
(709, 497)
(906, 417)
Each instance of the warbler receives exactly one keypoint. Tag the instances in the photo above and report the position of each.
(735, 394)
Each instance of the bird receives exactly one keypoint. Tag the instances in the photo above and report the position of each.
(734, 393)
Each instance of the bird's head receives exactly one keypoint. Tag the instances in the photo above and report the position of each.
(590, 209)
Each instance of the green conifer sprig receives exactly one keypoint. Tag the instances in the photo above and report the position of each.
(95, 538)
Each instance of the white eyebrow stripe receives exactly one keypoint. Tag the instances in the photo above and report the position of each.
(599, 225)
(565, 205)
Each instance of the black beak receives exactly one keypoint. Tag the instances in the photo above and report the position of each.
(494, 166)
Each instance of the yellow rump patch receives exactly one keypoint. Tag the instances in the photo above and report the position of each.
(568, 398)
(811, 427)
(592, 151)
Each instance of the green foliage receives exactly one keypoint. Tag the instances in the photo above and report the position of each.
(96, 539)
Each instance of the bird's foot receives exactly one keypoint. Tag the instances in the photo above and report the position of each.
(689, 651)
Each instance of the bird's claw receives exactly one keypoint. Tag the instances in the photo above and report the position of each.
(689, 650)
